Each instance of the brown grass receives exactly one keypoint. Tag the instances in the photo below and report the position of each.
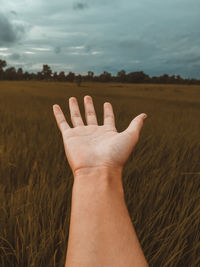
(161, 178)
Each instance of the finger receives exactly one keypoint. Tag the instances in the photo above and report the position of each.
(75, 112)
(109, 118)
(90, 114)
(135, 126)
(60, 119)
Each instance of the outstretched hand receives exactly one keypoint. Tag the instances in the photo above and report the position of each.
(92, 145)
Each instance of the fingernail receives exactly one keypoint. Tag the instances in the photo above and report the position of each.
(145, 116)
(107, 103)
(55, 107)
(88, 97)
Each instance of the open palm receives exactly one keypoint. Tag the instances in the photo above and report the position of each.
(92, 145)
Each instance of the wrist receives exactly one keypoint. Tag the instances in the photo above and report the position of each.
(99, 178)
(101, 170)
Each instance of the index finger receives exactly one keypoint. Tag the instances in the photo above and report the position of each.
(60, 119)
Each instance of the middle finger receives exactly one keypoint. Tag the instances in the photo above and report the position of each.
(90, 113)
(75, 112)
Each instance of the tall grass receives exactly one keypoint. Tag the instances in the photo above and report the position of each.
(161, 178)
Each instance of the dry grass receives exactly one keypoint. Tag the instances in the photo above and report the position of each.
(161, 178)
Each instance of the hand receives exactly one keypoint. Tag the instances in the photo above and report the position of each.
(92, 145)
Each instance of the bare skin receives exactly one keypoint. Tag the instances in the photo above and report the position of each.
(101, 232)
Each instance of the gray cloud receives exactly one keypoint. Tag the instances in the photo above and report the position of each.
(13, 12)
(9, 33)
(150, 35)
(57, 50)
(186, 59)
(138, 48)
(80, 6)
(15, 56)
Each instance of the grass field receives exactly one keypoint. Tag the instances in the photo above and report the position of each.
(161, 178)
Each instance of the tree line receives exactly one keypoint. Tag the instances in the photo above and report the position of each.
(46, 74)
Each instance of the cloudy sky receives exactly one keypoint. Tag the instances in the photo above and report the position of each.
(151, 35)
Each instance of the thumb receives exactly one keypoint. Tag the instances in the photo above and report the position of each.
(135, 126)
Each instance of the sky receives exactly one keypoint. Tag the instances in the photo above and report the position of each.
(153, 36)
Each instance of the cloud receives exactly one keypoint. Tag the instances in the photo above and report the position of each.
(80, 6)
(13, 12)
(153, 36)
(9, 33)
(57, 49)
(183, 59)
(4, 54)
(78, 47)
(15, 56)
(41, 49)
(96, 53)
(29, 53)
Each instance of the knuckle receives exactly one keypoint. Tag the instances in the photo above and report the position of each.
(75, 114)
(109, 116)
(90, 113)
(61, 122)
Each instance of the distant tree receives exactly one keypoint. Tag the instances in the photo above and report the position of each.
(10, 74)
(192, 81)
(46, 72)
(90, 75)
(3, 64)
(179, 79)
(70, 77)
(172, 79)
(20, 74)
(32, 76)
(27, 76)
(121, 76)
(105, 77)
(132, 77)
(39, 75)
(55, 76)
(78, 80)
(61, 76)
(164, 78)
(138, 77)
(154, 79)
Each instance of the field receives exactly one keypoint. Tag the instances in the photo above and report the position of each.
(161, 178)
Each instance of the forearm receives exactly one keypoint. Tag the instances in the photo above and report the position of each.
(101, 232)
